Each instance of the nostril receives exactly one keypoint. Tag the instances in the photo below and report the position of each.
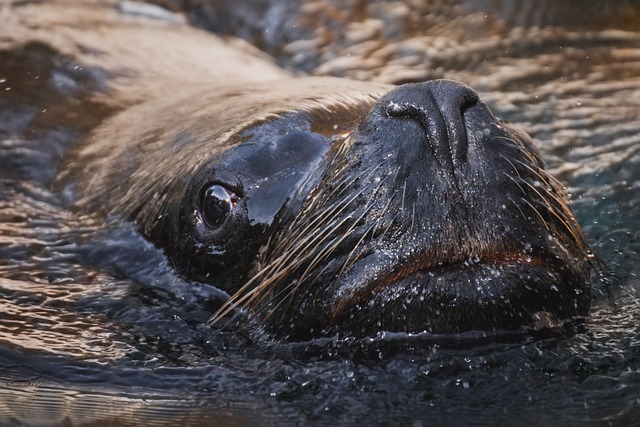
(439, 107)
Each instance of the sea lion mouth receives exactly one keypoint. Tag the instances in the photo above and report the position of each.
(503, 291)
(473, 276)
(474, 262)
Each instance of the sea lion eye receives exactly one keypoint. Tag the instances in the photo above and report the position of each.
(217, 203)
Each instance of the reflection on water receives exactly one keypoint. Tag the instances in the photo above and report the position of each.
(52, 406)
(96, 329)
(569, 14)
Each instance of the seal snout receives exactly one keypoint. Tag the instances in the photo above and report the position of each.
(439, 107)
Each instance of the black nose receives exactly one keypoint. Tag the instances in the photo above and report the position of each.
(438, 105)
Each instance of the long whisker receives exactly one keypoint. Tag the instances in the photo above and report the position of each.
(329, 249)
(561, 213)
(291, 250)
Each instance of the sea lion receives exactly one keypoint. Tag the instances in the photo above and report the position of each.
(324, 206)
(328, 206)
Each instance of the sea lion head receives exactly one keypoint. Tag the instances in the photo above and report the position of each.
(325, 206)
(432, 215)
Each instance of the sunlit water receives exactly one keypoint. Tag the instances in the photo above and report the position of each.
(96, 328)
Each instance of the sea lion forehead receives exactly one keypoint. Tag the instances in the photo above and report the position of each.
(291, 126)
(201, 123)
(329, 105)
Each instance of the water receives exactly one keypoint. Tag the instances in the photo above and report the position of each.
(96, 328)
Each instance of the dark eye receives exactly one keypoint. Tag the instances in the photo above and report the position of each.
(217, 203)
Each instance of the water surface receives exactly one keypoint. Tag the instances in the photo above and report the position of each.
(96, 328)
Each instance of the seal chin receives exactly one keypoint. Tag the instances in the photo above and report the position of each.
(495, 287)
(495, 292)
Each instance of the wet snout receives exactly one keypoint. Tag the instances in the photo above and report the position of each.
(438, 106)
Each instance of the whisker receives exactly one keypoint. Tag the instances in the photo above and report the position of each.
(558, 209)
(291, 250)
(350, 258)
(518, 207)
(330, 248)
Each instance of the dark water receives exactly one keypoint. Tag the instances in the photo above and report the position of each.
(96, 329)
